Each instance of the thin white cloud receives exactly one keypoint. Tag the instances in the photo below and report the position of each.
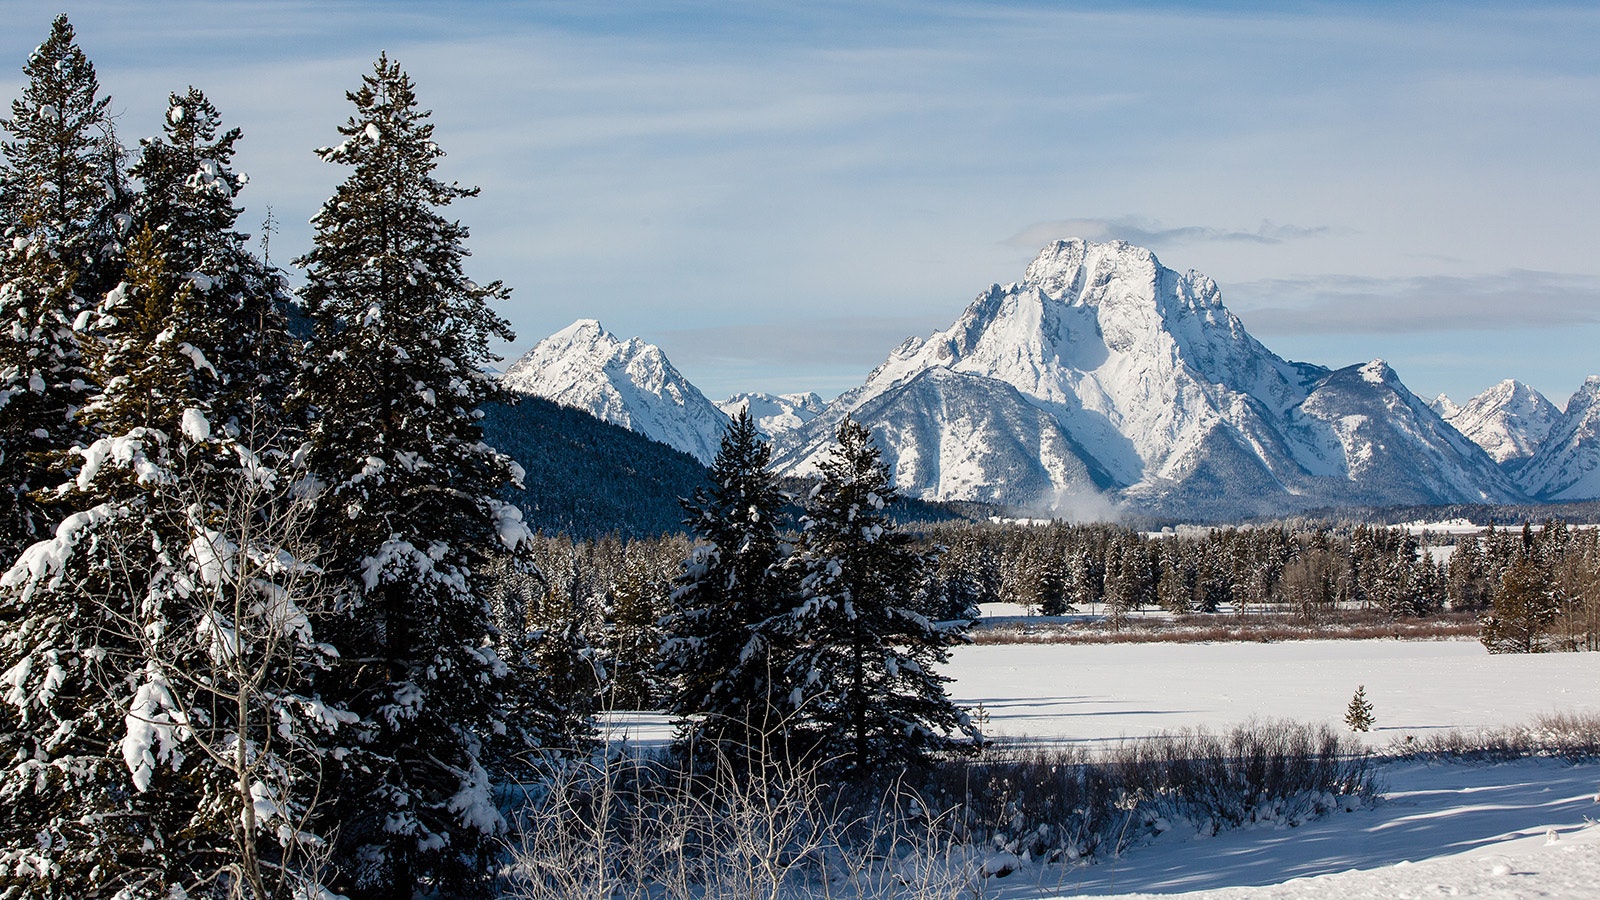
(1515, 299)
(1154, 234)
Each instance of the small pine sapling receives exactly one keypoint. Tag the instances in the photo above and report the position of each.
(1358, 715)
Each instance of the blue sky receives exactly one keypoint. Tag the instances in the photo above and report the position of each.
(778, 193)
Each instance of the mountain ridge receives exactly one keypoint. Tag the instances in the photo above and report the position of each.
(1103, 378)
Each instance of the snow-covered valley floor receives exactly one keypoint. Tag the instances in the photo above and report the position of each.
(1441, 829)
(1098, 693)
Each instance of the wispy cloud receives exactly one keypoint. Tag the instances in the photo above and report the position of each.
(1350, 305)
(1152, 233)
(826, 341)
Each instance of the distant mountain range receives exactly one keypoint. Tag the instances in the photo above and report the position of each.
(1105, 380)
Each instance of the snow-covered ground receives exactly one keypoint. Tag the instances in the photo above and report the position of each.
(1097, 693)
(1440, 829)
(1443, 829)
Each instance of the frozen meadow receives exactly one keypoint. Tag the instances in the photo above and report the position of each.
(1098, 693)
(1440, 829)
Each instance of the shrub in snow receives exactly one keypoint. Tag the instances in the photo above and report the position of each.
(1062, 803)
(1358, 715)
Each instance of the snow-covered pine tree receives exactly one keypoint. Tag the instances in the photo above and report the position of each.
(868, 694)
(187, 201)
(1358, 715)
(637, 603)
(408, 510)
(59, 195)
(725, 682)
(159, 665)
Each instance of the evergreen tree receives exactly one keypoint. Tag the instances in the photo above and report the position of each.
(1358, 715)
(634, 611)
(865, 665)
(407, 511)
(563, 622)
(187, 202)
(161, 662)
(1523, 611)
(59, 193)
(726, 687)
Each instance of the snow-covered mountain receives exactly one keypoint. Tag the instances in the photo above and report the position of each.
(1156, 393)
(1389, 445)
(1445, 407)
(1567, 464)
(775, 413)
(1509, 421)
(628, 383)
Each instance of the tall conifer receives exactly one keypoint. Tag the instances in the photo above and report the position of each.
(59, 196)
(239, 336)
(407, 509)
(866, 661)
(728, 692)
(158, 672)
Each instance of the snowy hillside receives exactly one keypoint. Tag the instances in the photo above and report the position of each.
(1161, 397)
(1567, 466)
(628, 383)
(1509, 421)
(775, 413)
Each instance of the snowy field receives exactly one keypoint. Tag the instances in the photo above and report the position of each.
(1097, 693)
(1444, 829)
(1513, 830)
(1441, 830)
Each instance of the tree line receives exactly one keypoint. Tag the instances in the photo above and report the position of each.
(1532, 589)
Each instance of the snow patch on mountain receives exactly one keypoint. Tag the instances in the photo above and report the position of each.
(628, 383)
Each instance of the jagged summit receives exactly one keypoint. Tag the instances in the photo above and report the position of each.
(1509, 421)
(1161, 395)
(775, 413)
(629, 383)
(1567, 464)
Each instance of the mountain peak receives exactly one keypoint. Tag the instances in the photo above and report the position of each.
(1378, 371)
(1509, 421)
(774, 413)
(1567, 465)
(1070, 270)
(629, 383)
(587, 330)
